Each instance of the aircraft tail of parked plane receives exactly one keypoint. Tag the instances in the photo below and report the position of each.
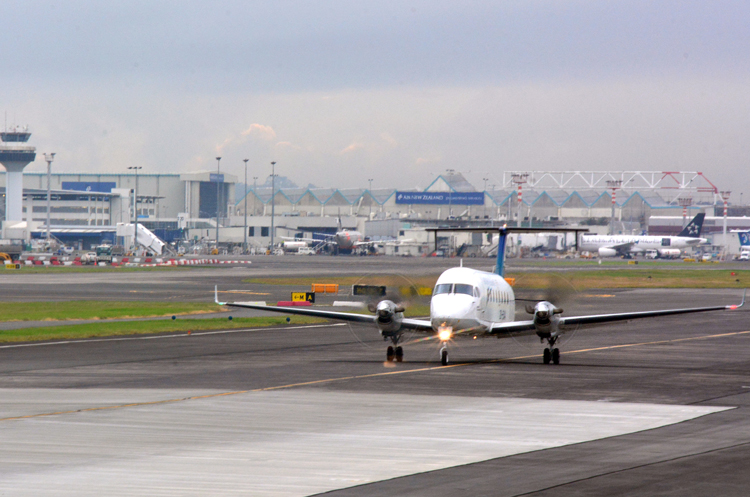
(744, 238)
(468, 303)
(694, 227)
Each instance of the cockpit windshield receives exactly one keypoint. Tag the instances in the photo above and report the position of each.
(465, 289)
(444, 288)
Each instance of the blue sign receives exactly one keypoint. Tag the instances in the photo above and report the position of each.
(217, 178)
(440, 198)
(744, 238)
(89, 186)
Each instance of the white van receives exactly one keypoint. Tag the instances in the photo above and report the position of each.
(305, 251)
(745, 255)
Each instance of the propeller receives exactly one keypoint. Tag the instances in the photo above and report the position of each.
(536, 292)
(554, 289)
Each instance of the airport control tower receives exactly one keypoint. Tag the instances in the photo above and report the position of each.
(15, 156)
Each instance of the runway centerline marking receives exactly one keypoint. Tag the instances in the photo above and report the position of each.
(357, 377)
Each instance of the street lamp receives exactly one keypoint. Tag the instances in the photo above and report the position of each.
(244, 247)
(273, 198)
(370, 191)
(135, 204)
(255, 195)
(218, 200)
(484, 198)
(49, 158)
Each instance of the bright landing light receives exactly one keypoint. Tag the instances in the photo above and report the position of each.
(445, 333)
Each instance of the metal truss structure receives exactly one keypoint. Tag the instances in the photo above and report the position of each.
(670, 185)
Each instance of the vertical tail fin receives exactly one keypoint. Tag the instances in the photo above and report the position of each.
(500, 267)
(694, 227)
(744, 238)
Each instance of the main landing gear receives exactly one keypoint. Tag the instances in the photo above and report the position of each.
(396, 354)
(551, 353)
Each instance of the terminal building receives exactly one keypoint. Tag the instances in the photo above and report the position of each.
(85, 209)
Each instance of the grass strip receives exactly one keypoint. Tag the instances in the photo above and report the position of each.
(595, 277)
(641, 278)
(92, 269)
(93, 309)
(91, 330)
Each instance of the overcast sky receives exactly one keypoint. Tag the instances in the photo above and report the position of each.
(337, 92)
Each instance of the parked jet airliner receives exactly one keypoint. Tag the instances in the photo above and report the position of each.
(665, 246)
(471, 303)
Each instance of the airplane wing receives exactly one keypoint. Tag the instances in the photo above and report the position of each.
(298, 239)
(502, 330)
(409, 323)
(622, 248)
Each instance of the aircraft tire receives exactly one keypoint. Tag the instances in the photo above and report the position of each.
(556, 356)
(399, 354)
(547, 356)
(389, 354)
(444, 356)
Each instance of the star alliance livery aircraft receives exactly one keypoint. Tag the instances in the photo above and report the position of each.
(665, 246)
(468, 303)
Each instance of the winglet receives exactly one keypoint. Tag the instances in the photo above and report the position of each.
(733, 307)
(216, 295)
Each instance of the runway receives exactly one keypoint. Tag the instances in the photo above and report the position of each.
(647, 407)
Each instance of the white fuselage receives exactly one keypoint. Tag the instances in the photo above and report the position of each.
(639, 243)
(347, 239)
(468, 299)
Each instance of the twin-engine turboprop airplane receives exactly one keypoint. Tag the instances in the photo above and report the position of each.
(471, 303)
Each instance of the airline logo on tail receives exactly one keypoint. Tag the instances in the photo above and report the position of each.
(744, 238)
(694, 228)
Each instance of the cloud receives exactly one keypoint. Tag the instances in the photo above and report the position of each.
(260, 131)
(352, 148)
(428, 160)
(389, 139)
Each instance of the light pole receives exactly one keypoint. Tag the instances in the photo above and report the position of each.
(218, 200)
(725, 197)
(255, 195)
(49, 158)
(135, 204)
(244, 247)
(484, 198)
(273, 199)
(371, 198)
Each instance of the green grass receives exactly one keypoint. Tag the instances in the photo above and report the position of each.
(61, 311)
(618, 275)
(641, 278)
(107, 329)
(91, 269)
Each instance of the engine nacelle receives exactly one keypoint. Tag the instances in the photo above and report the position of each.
(388, 317)
(546, 319)
(607, 252)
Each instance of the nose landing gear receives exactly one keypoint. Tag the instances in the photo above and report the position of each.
(396, 354)
(551, 353)
(444, 356)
